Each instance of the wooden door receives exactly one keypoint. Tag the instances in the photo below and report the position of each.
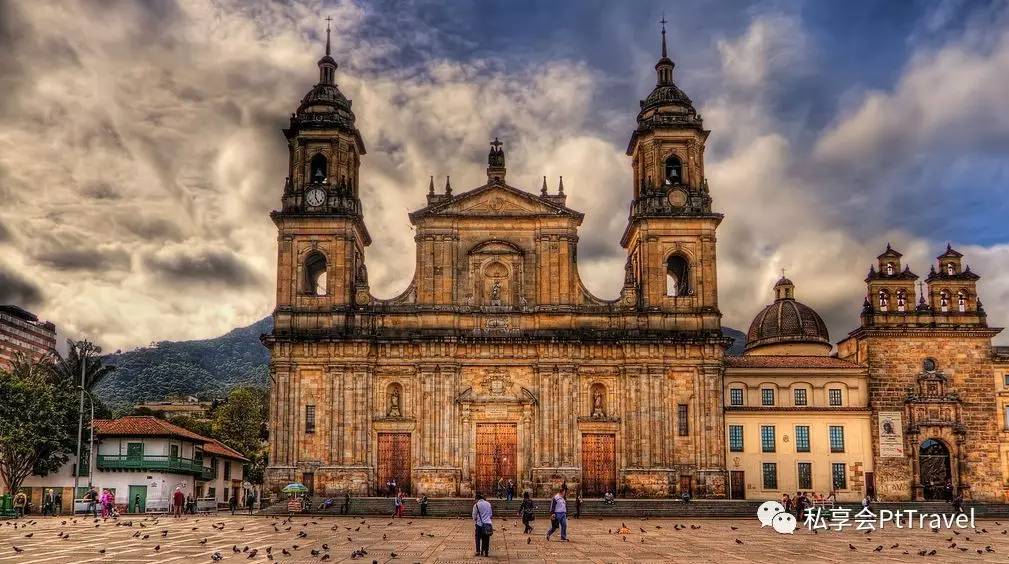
(138, 499)
(599, 464)
(737, 485)
(496, 445)
(393, 461)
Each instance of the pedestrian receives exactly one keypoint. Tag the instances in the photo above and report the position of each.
(250, 501)
(786, 502)
(499, 490)
(393, 491)
(397, 504)
(866, 503)
(20, 501)
(578, 504)
(103, 501)
(136, 504)
(178, 499)
(511, 490)
(948, 488)
(608, 498)
(423, 505)
(92, 499)
(59, 501)
(110, 504)
(559, 514)
(483, 528)
(526, 512)
(345, 508)
(48, 502)
(233, 502)
(958, 503)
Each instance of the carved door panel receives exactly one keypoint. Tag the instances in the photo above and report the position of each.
(599, 464)
(393, 461)
(495, 456)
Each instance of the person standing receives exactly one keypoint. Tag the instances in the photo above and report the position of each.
(59, 501)
(345, 508)
(178, 500)
(559, 515)
(20, 501)
(393, 491)
(423, 505)
(511, 490)
(578, 504)
(233, 502)
(397, 506)
(483, 528)
(48, 503)
(250, 501)
(92, 498)
(526, 512)
(136, 504)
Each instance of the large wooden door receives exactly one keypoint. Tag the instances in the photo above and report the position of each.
(495, 456)
(737, 484)
(393, 460)
(599, 464)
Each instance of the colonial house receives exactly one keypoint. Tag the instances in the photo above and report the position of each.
(142, 459)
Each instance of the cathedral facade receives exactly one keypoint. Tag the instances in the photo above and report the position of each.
(496, 364)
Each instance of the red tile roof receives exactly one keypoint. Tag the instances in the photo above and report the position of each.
(218, 448)
(148, 426)
(787, 361)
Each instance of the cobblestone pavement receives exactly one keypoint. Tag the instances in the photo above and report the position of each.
(195, 539)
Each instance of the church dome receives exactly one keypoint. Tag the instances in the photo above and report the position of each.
(787, 321)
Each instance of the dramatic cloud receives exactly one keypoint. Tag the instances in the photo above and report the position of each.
(141, 153)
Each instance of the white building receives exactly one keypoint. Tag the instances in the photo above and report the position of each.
(143, 459)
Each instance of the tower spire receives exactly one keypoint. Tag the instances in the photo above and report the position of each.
(664, 68)
(329, 19)
(327, 66)
(663, 22)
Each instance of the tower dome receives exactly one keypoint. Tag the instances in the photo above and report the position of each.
(787, 326)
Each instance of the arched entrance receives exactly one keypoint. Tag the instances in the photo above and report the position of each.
(933, 464)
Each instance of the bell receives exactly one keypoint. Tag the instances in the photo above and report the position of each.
(319, 176)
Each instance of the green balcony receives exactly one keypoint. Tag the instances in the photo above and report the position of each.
(150, 463)
(208, 473)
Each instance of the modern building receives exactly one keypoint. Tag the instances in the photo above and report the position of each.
(147, 458)
(190, 407)
(22, 332)
(496, 363)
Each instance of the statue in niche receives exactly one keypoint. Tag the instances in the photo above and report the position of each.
(394, 410)
(362, 275)
(597, 405)
(495, 294)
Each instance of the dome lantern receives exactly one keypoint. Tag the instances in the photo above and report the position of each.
(787, 326)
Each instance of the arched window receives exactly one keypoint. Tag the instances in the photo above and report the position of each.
(674, 170)
(944, 300)
(901, 300)
(884, 300)
(889, 269)
(319, 169)
(961, 301)
(315, 274)
(677, 276)
(950, 269)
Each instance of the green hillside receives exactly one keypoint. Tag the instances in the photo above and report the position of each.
(210, 367)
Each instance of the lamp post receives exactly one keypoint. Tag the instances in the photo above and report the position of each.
(83, 349)
(91, 440)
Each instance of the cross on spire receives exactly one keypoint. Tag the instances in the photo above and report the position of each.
(663, 22)
(328, 21)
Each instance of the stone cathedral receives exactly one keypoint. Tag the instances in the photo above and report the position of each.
(497, 364)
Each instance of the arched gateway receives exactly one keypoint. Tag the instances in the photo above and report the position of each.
(934, 468)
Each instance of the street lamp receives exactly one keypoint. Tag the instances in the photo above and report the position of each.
(84, 348)
(91, 441)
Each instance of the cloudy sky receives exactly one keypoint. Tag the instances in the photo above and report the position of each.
(140, 144)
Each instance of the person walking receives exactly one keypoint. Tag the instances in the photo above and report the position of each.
(233, 502)
(423, 505)
(48, 503)
(526, 512)
(483, 529)
(20, 501)
(345, 508)
(250, 501)
(59, 502)
(103, 501)
(578, 504)
(178, 500)
(397, 506)
(92, 498)
(559, 515)
(511, 490)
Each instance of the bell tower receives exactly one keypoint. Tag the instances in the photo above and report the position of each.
(322, 236)
(670, 234)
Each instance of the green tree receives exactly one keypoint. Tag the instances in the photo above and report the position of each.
(240, 422)
(38, 420)
(69, 367)
(198, 426)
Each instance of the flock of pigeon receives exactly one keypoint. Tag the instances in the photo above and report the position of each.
(150, 530)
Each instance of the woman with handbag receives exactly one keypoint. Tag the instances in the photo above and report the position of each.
(482, 513)
(526, 512)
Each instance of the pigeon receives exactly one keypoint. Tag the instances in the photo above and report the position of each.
(285, 552)
(315, 552)
(529, 540)
(392, 555)
(851, 547)
(730, 526)
(216, 557)
(739, 541)
(324, 558)
(325, 547)
(102, 551)
(235, 549)
(17, 550)
(29, 535)
(157, 548)
(204, 541)
(895, 545)
(252, 553)
(245, 548)
(878, 548)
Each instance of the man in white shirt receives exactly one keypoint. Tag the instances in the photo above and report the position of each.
(482, 514)
(559, 514)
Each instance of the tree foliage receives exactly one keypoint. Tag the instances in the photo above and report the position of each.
(69, 367)
(38, 420)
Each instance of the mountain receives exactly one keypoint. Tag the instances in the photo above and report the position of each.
(205, 368)
(211, 367)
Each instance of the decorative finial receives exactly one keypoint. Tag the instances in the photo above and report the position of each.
(543, 190)
(663, 22)
(448, 185)
(560, 188)
(430, 188)
(328, 21)
(782, 272)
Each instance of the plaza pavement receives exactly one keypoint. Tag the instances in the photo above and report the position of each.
(413, 539)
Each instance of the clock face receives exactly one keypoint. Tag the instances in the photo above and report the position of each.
(315, 197)
(678, 198)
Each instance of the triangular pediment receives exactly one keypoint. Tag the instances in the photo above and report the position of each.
(495, 200)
